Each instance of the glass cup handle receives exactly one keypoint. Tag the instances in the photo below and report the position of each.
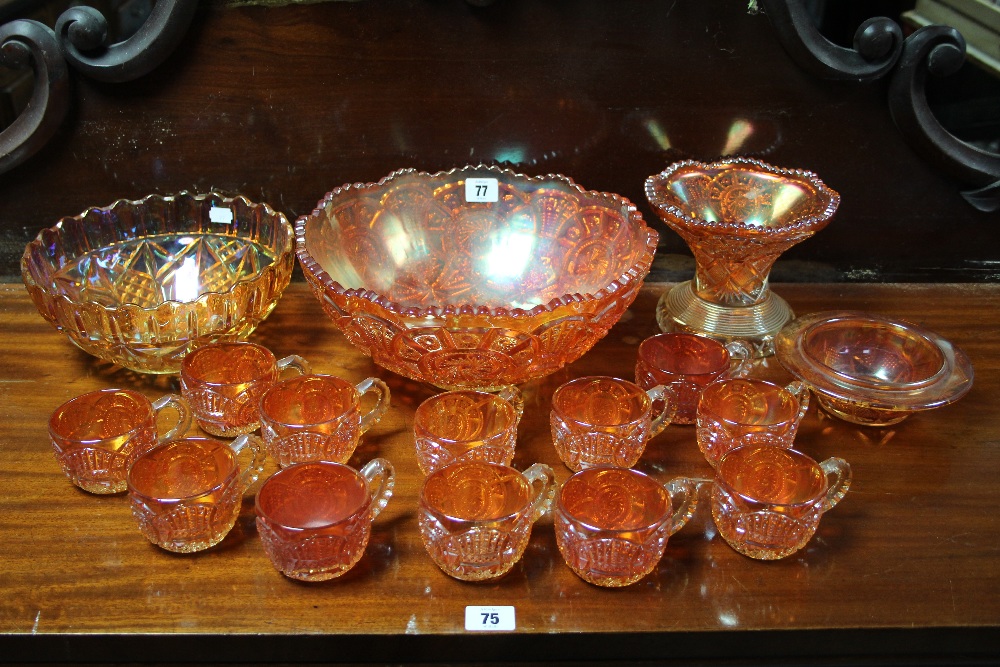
(740, 358)
(686, 490)
(540, 477)
(381, 478)
(800, 390)
(513, 395)
(666, 394)
(180, 406)
(838, 471)
(251, 472)
(296, 363)
(372, 417)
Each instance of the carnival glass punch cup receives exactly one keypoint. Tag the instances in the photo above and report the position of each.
(441, 287)
(737, 215)
(475, 517)
(224, 382)
(99, 435)
(319, 417)
(687, 363)
(142, 283)
(467, 424)
(315, 518)
(767, 501)
(598, 420)
(873, 370)
(744, 411)
(612, 524)
(186, 494)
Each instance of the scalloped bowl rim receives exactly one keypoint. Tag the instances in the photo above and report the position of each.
(167, 303)
(812, 222)
(312, 267)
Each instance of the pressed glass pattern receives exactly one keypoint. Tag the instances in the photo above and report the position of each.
(186, 494)
(318, 417)
(687, 363)
(870, 369)
(315, 518)
(474, 295)
(767, 501)
(475, 517)
(97, 437)
(612, 524)
(599, 421)
(142, 283)
(467, 424)
(740, 411)
(223, 383)
(737, 216)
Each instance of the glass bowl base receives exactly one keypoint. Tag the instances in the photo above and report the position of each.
(680, 309)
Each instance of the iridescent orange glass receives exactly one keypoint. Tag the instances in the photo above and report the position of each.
(767, 501)
(687, 363)
(224, 382)
(873, 370)
(742, 411)
(475, 517)
(599, 421)
(737, 216)
(319, 417)
(186, 494)
(467, 424)
(99, 435)
(612, 524)
(142, 283)
(315, 518)
(474, 295)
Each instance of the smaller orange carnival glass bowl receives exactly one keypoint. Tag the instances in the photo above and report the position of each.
(474, 278)
(143, 283)
(870, 369)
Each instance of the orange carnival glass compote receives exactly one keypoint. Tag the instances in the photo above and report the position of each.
(468, 294)
(737, 216)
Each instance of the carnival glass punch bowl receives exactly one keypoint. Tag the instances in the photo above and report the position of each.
(872, 370)
(142, 283)
(459, 293)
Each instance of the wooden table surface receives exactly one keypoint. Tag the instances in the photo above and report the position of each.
(908, 564)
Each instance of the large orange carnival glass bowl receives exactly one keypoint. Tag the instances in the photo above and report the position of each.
(142, 283)
(459, 293)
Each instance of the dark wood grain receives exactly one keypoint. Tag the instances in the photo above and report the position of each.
(913, 545)
(283, 104)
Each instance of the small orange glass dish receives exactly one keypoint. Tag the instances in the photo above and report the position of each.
(142, 283)
(439, 286)
(872, 370)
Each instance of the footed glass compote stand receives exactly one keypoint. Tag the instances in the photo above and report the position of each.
(737, 216)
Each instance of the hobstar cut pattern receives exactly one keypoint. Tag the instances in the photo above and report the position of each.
(480, 552)
(317, 557)
(142, 283)
(190, 526)
(737, 215)
(611, 561)
(101, 470)
(474, 295)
